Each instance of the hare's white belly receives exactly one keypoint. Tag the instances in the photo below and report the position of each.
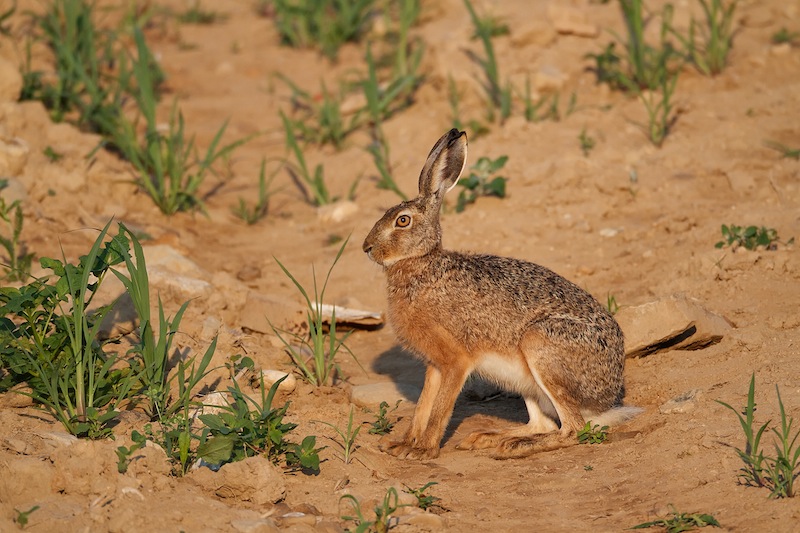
(510, 373)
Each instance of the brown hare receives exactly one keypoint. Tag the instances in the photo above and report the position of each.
(513, 322)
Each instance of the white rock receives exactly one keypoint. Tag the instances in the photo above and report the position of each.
(13, 156)
(272, 376)
(337, 212)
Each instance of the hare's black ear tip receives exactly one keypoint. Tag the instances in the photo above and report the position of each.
(455, 135)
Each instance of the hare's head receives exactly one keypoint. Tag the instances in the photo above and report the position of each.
(411, 229)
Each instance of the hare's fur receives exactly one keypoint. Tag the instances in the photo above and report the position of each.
(514, 322)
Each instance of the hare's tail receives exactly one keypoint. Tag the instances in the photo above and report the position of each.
(614, 416)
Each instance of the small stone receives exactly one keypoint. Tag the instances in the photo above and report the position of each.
(254, 479)
(674, 323)
(248, 273)
(167, 257)
(682, 403)
(372, 394)
(609, 232)
(263, 525)
(297, 518)
(272, 376)
(549, 79)
(424, 520)
(13, 156)
(571, 20)
(337, 212)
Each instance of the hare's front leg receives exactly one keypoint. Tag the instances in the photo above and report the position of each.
(434, 408)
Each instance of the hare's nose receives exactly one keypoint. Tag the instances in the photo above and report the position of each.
(367, 247)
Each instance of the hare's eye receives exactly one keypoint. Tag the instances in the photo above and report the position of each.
(402, 221)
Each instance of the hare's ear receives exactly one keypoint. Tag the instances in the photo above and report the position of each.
(445, 163)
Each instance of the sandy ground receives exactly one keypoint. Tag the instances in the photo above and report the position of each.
(580, 215)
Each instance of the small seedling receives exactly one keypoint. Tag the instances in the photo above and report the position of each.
(588, 468)
(312, 185)
(379, 149)
(347, 436)
(18, 267)
(783, 35)
(777, 473)
(750, 237)
(321, 341)
(482, 182)
(786, 151)
(710, 54)
(592, 434)
(253, 214)
(124, 452)
(52, 155)
(659, 106)
(197, 14)
(383, 513)
(304, 456)
(382, 425)
(4, 16)
(23, 516)
(611, 304)
(586, 141)
(424, 501)
(498, 96)
(678, 522)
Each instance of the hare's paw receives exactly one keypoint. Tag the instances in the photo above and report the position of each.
(480, 440)
(514, 447)
(406, 451)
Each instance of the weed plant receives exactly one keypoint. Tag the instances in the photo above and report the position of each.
(482, 182)
(22, 517)
(659, 106)
(165, 395)
(781, 36)
(347, 437)
(776, 473)
(322, 24)
(750, 237)
(197, 14)
(785, 151)
(379, 150)
(5, 16)
(18, 267)
(678, 522)
(124, 453)
(312, 185)
(424, 501)
(382, 425)
(384, 512)
(321, 367)
(707, 45)
(592, 434)
(246, 427)
(53, 341)
(251, 215)
(586, 142)
(642, 66)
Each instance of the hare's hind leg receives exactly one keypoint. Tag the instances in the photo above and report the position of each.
(545, 361)
(538, 422)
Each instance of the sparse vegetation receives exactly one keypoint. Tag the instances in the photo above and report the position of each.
(16, 260)
(347, 437)
(707, 45)
(481, 181)
(321, 342)
(785, 151)
(783, 35)
(677, 522)
(23, 516)
(383, 513)
(259, 210)
(776, 473)
(750, 237)
(382, 425)
(424, 501)
(586, 142)
(246, 427)
(592, 434)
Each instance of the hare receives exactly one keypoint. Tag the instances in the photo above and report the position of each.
(513, 322)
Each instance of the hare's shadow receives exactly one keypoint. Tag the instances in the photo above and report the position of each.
(478, 397)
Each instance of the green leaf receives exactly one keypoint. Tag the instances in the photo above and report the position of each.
(217, 450)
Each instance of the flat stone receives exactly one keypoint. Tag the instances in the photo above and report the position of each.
(272, 376)
(254, 479)
(13, 156)
(571, 20)
(372, 394)
(673, 323)
(682, 403)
